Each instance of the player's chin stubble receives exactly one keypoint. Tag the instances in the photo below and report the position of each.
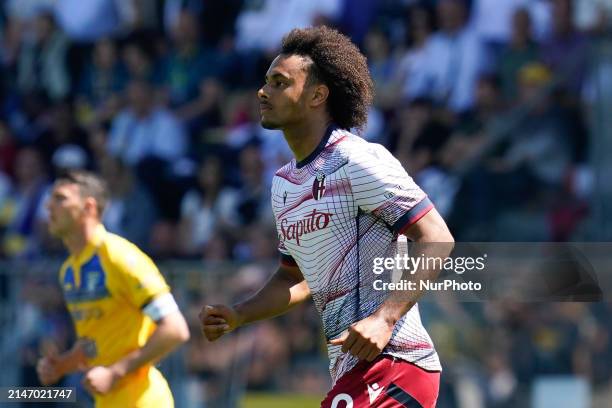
(267, 124)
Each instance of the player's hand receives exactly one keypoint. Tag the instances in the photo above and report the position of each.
(218, 320)
(100, 380)
(48, 371)
(365, 339)
(75, 359)
(48, 367)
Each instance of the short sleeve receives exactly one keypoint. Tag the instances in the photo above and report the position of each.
(139, 279)
(382, 187)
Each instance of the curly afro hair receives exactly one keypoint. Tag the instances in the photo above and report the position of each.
(339, 64)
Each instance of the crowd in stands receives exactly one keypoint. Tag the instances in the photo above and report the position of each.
(485, 103)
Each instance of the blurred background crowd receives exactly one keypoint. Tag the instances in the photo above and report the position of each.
(500, 110)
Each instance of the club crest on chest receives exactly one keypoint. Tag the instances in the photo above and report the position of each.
(318, 186)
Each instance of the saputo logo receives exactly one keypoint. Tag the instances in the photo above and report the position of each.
(313, 221)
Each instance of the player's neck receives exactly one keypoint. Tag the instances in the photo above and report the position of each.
(80, 238)
(304, 138)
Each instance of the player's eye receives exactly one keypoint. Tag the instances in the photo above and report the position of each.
(278, 83)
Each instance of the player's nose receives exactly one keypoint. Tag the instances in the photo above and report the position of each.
(261, 94)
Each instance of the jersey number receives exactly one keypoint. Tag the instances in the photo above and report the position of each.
(342, 398)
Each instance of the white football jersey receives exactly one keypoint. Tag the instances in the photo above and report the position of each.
(335, 212)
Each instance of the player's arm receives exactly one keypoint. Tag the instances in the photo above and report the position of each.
(285, 289)
(170, 332)
(53, 365)
(382, 187)
(432, 239)
(367, 338)
(135, 277)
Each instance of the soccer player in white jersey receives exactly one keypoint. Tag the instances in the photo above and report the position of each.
(338, 204)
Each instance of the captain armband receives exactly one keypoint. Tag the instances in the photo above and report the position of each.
(160, 307)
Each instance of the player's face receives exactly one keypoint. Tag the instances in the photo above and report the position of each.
(66, 207)
(283, 98)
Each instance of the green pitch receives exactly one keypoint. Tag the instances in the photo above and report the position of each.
(260, 400)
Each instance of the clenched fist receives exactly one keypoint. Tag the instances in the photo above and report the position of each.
(218, 320)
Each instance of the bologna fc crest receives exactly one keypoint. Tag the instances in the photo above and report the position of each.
(318, 187)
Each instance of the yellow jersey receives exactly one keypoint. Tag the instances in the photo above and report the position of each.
(106, 287)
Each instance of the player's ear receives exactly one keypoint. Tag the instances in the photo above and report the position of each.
(91, 206)
(319, 95)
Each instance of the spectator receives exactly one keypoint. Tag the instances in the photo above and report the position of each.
(489, 104)
(260, 27)
(69, 157)
(262, 24)
(245, 129)
(566, 40)
(257, 244)
(44, 325)
(207, 209)
(219, 22)
(62, 130)
(10, 43)
(97, 141)
(380, 61)
(163, 243)
(356, 17)
(88, 21)
(594, 353)
(521, 50)
(412, 71)
(188, 63)
(472, 133)
(28, 117)
(541, 143)
(492, 19)
(139, 62)
(501, 383)
(26, 11)
(411, 120)
(8, 150)
(205, 112)
(254, 194)
(593, 16)
(42, 62)
(104, 77)
(533, 164)
(541, 15)
(172, 10)
(217, 249)
(130, 211)
(433, 172)
(145, 130)
(24, 211)
(454, 57)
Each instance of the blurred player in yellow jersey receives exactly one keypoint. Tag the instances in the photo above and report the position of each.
(124, 314)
